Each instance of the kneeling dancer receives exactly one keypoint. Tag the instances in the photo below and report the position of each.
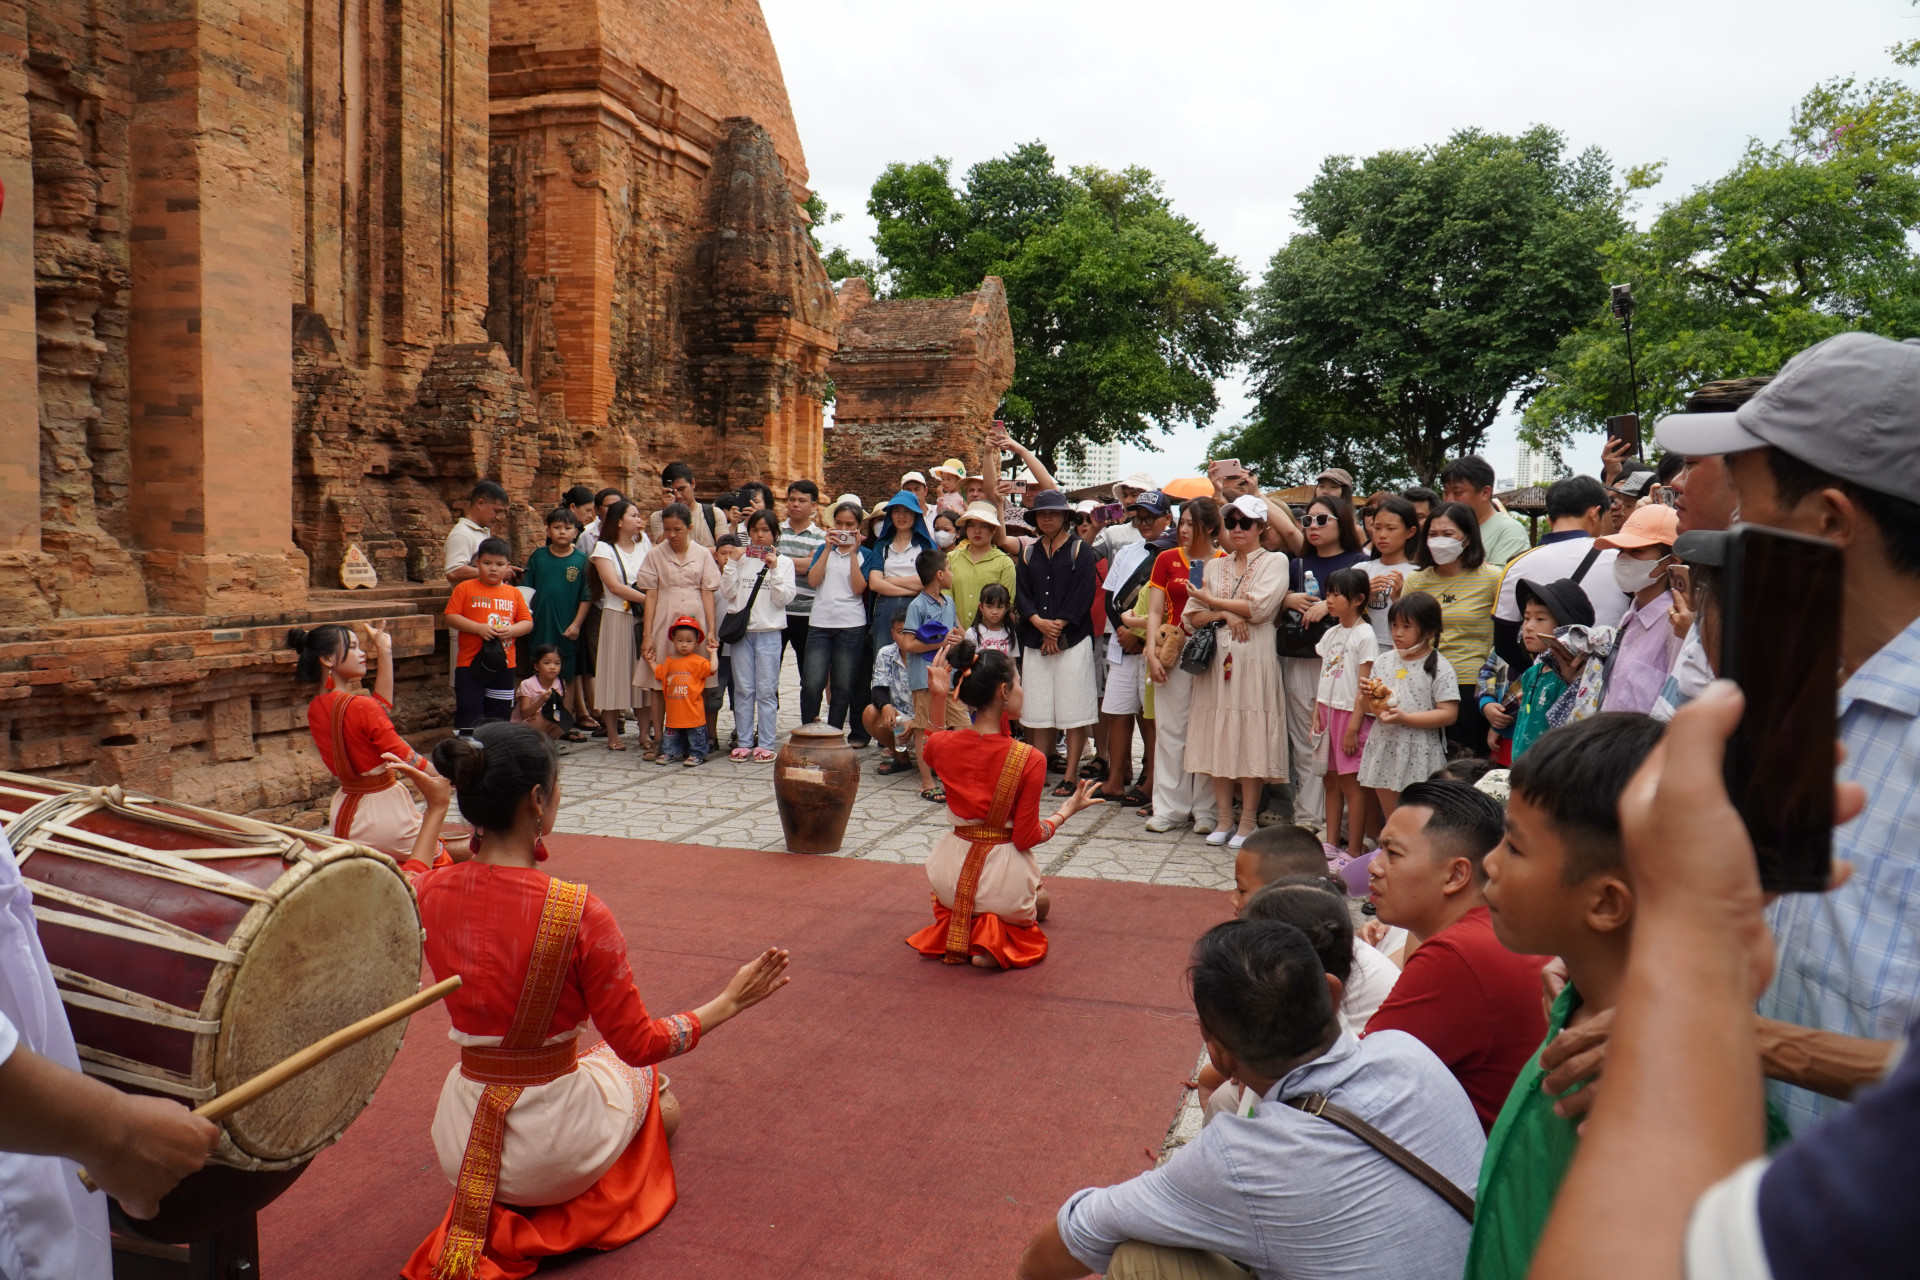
(548, 1149)
(987, 899)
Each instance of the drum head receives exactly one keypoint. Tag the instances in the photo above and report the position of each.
(345, 943)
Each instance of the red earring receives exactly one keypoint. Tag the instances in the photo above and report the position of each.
(473, 842)
(540, 849)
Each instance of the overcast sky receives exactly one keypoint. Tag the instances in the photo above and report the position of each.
(1234, 103)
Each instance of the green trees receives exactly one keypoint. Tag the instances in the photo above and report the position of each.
(1803, 239)
(1427, 290)
(1123, 314)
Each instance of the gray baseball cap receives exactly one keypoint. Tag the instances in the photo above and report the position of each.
(1849, 405)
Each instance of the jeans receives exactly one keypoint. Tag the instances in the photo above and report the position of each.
(756, 688)
(676, 743)
(836, 650)
(480, 696)
(796, 636)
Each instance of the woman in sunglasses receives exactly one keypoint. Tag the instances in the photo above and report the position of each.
(1237, 726)
(1333, 544)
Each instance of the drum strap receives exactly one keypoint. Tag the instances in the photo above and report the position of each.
(352, 785)
(981, 838)
(480, 1166)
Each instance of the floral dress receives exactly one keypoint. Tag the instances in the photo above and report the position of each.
(1396, 755)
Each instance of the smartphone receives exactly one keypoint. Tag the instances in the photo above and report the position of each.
(1112, 513)
(1626, 428)
(1222, 466)
(1780, 642)
(1680, 581)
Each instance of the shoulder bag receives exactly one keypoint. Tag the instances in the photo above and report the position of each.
(733, 627)
(1316, 1104)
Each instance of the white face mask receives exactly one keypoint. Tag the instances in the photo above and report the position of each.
(1634, 576)
(1445, 550)
(943, 538)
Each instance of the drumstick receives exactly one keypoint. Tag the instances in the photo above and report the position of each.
(313, 1055)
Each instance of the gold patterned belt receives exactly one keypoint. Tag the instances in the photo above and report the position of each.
(524, 1067)
(984, 834)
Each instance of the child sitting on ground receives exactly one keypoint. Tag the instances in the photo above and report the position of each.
(530, 699)
(683, 679)
(891, 713)
(1544, 607)
(1347, 652)
(1415, 697)
(1557, 885)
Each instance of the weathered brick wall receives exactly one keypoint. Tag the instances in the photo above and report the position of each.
(916, 381)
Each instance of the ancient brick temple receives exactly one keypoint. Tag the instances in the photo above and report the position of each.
(916, 381)
(277, 279)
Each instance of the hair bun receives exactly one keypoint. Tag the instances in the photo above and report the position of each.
(462, 761)
(297, 640)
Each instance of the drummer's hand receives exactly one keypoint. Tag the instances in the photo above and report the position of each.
(152, 1143)
(436, 790)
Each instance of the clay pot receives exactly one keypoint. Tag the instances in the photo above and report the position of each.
(815, 779)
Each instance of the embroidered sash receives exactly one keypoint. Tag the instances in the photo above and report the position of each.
(522, 1059)
(352, 785)
(981, 838)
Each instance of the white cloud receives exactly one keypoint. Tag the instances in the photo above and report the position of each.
(1234, 104)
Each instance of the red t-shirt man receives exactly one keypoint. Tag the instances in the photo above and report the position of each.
(1475, 1004)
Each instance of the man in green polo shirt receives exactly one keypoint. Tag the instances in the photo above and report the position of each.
(977, 561)
(1469, 481)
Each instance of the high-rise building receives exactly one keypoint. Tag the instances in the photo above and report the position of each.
(1101, 465)
(1536, 467)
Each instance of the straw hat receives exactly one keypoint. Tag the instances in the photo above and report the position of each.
(983, 512)
(951, 467)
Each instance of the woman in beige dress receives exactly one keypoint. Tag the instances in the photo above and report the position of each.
(1237, 728)
(679, 578)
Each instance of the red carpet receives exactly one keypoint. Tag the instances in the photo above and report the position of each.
(883, 1116)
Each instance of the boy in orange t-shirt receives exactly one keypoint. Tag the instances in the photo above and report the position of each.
(480, 610)
(683, 678)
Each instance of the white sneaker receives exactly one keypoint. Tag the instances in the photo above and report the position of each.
(1159, 823)
(1203, 826)
(1238, 842)
(1218, 838)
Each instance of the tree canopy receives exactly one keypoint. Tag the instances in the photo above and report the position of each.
(1803, 239)
(1123, 314)
(1427, 290)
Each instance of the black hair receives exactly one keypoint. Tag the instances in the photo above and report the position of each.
(676, 471)
(1468, 822)
(1420, 493)
(493, 771)
(1573, 496)
(978, 673)
(490, 490)
(563, 515)
(610, 522)
(765, 516)
(807, 487)
(329, 641)
(576, 495)
(752, 487)
(493, 547)
(1261, 991)
(1474, 469)
(1574, 774)
(543, 651)
(1898, 519)
(1462, 517)
(1671, 465)
(1310, 904)
(603, 495)
(852, 509)
(1288, 850)
(1400, 509)
(1342, 512)
(1468, 769)
(1205, 514)
(728, 540)
(1725, 395)
(997, 594)
(928, 565)
(1423, 611)
(676, 511)
(1351, 583)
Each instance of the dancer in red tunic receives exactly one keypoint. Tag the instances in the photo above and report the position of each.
(987, 898)
(575, 1143)
(354, 733)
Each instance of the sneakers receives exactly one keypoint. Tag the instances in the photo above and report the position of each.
(667, 759)
(1159, 822)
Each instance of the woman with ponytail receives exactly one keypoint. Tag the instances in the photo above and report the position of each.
(987, 899)
(548, 1149)
(353, 732)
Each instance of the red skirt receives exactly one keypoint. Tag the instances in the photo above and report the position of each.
(1015, 946)
(629, 1200)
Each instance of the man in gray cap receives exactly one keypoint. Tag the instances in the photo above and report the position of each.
(1831, 447)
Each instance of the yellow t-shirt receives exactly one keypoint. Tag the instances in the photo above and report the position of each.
(1466, 614)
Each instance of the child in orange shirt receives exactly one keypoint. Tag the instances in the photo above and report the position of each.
(683, 678)
(481, 611)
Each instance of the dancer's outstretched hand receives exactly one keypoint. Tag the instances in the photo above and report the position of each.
(758, 978)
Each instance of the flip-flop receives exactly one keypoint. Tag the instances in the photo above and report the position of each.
(934, 795)
(574, 735)
(895, 764)
(1135, 798)
(1064, 789)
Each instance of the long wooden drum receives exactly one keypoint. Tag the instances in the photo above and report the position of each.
(195, 949)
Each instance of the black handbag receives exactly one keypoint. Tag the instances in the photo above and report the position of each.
(733, 627)
(1196, 655)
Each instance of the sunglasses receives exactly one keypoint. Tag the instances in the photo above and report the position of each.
(1316, 522)
(1238, 521)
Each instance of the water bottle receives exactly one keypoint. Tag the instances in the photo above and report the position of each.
(1311, 585)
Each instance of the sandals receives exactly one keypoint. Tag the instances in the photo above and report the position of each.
(575, 735)
(934, 794)
(1135, 799)
(614, 743)
(740, 753)
(1064, 789)
(763, 756)
(1093, 769)
(895, 764)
